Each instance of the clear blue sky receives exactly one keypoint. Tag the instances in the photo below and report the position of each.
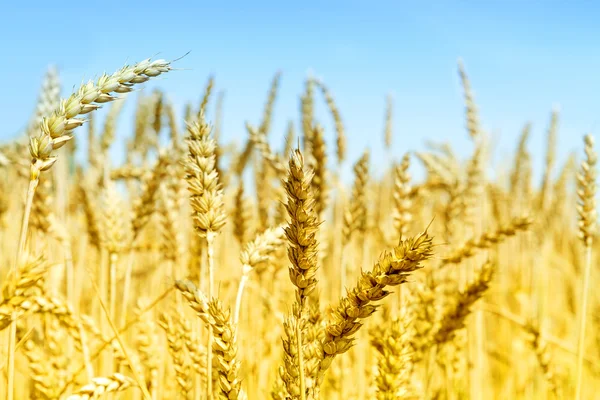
(523, 57)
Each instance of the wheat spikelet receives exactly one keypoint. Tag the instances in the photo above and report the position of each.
(265, 125)
(307, 113)
(210, 84)
(337, 118)
(471, 108)
(355, 217)
(516, 177)
(57, 128)
(301, 231)
(48, 100)
(206, 195)
(146, 343)
(402, 201)
(241, 216)
(454, 317)
(488, 239)
(158, 111)
(110, 124)
(101, 385)
(115, 225)
(144, 206)
(542, 354)
(388, 127)
(302, 253)
(394, 359)
(177, 351)
(172, 121)
(586, 206)
(259, 140)
(545, 192)
(392, 269)
(139, 142)
(45, 382)
(319, 166)
(224, 345)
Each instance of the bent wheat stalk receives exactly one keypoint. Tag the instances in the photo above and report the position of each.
(254, 256)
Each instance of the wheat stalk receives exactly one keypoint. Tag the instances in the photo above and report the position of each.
(586, 208)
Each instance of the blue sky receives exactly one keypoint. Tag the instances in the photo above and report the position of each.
(523, 57)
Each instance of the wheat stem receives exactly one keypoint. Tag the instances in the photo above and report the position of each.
(583, 321)
(33, 183)
(127, 285)
(112, 286)
(343, 271)
(301, 377)
(238, 299)
(210, 238)
(70, 272)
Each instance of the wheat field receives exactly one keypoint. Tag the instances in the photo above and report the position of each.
(198, 269)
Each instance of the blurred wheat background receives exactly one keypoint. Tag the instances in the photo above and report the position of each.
(158, 242)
